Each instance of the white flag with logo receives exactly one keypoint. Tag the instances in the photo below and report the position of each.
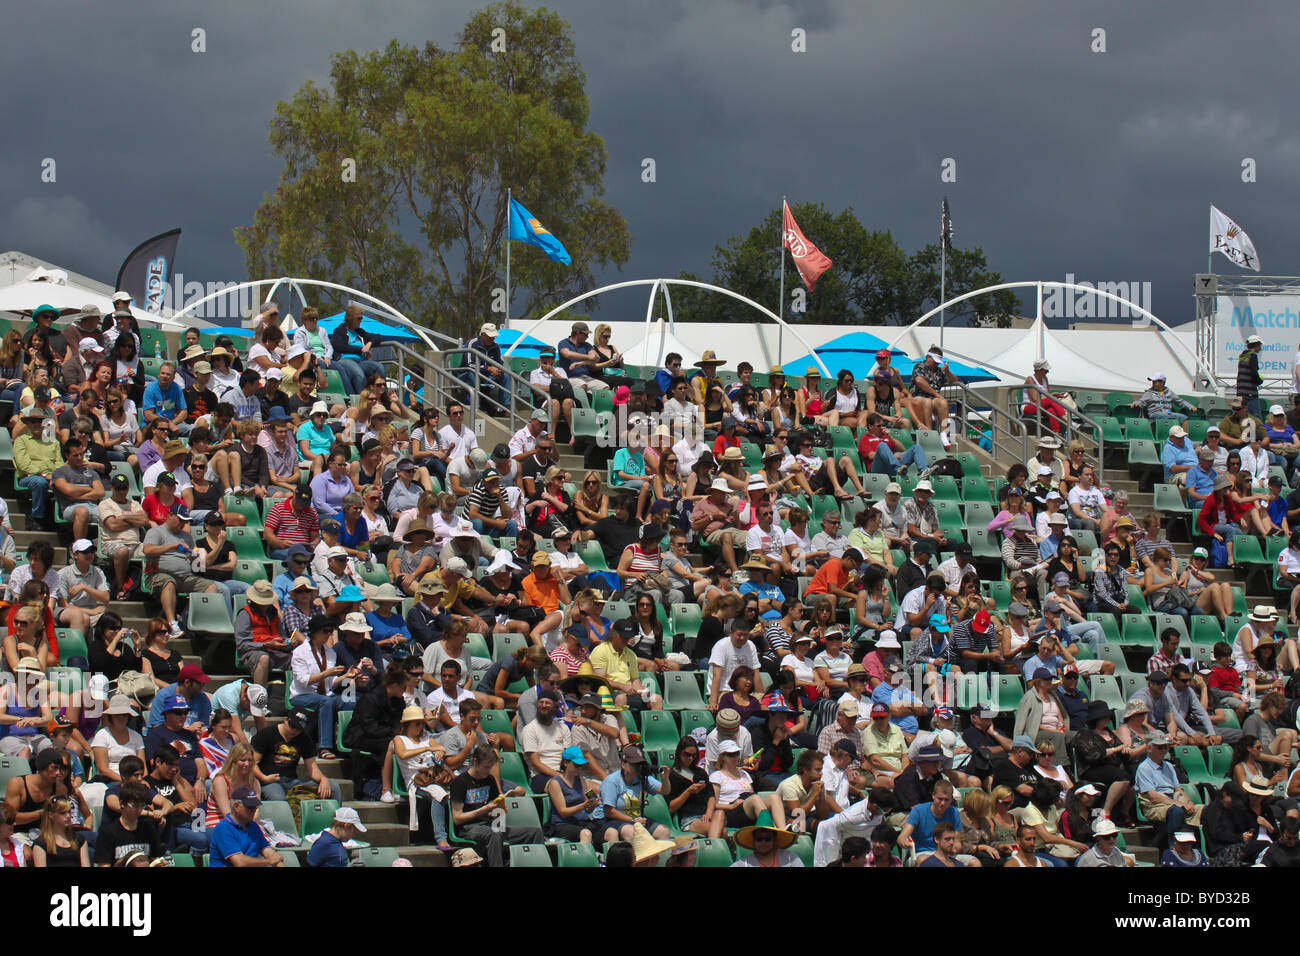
(1230, 239)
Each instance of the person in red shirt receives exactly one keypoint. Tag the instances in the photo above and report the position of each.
(158, 503)
(1220, 516)
(1224, 685)
(727, 438)
(883, 454)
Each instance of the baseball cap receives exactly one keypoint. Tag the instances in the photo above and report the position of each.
(119, 481)
(1025, 742)
(193, 672)
(728, 747)
(879, 710)
(175, 702)
(848, 706)
(82, 544)
(258, 700)
(349, 815)
(574, 755)
(297, 720)
(983, 622)
(248, 797)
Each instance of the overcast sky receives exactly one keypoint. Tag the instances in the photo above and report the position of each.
(1098, 164)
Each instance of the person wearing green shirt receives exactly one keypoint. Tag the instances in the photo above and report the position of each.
(36, 458)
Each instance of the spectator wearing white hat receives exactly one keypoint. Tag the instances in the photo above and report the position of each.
(1158, 402)
(1042, 403)
(1046, 456)
(1282, 442)
(330, 848)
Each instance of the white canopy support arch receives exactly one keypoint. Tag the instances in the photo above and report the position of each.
(389, 313)
(655, 286)
(1198, 370)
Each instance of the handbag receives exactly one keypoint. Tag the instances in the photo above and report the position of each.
(1177, 596)
(139, 687)
(560, 388)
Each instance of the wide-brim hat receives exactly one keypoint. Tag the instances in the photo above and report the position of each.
(1135, 706)
(709, 357)
(1262, 614)
(1259, 786)
(645, 847)
(261, 592)
(755, 563)
(1097, 709)
(745, 836)
(570, 685)
(413, 712)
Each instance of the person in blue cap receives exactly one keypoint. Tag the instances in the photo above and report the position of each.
(238, 840)
(576, 812)
(296, 564)
(932, 651)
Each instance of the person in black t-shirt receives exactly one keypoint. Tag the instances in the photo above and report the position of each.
(278, 749)
(128, 833)
(299, 403)
(167, 782)
(200, 399)
(475, 797)
(616, 531)
(1017, 770)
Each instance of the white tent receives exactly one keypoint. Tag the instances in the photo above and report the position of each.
(53, 287)
(651, 349)
(1100, 361)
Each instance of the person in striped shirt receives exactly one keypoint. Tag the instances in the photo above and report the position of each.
(291, 521)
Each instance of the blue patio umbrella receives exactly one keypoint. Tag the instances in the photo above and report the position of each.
(374, 326)
(855, 351)
(527, 344)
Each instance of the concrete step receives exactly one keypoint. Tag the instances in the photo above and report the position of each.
(387, 834)
(424, 855)
(372, 811)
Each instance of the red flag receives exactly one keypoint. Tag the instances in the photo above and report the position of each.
(808, 259)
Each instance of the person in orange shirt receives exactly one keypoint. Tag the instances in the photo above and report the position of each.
(833, 578)
(547, 591)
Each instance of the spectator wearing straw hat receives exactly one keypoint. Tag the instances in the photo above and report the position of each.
(771, 845)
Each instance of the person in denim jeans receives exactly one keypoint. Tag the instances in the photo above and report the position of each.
(877, 446)
(36, 459)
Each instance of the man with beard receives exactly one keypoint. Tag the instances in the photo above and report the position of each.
(544, 740)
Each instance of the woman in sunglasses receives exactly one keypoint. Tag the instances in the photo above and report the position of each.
(428, 448)
(845, 402)
(591, 503)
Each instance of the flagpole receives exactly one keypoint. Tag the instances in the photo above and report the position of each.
(780, 300)
(943, 268)
(506, 323)
(1209, 257)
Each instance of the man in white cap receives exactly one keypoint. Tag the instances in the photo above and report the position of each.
(928, 376)
(243, 699)
(716, 521)
(83, 589)
(330, 848)
(483, 364)
(1044, 404)
(921, 516)
(1177, 456)
(1105, 851)
(463, 474)
(1159, 402)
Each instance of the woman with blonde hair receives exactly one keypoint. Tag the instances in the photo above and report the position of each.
(1004, 821)
(236, 772)
(607, 356)
(978, 839)
(59, 847)
(590, 501)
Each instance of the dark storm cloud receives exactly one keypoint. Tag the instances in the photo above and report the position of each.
(1067, 161)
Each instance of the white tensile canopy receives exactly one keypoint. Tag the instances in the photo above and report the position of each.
(660, 341)
(53, 287)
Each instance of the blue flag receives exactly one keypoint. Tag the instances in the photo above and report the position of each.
(524, 227)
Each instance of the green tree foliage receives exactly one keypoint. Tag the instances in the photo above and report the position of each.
(873, 282)
(437, 136)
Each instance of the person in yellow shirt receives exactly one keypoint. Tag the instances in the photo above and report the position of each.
(614, 661)
(36, 460)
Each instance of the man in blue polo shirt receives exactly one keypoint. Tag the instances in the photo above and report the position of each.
(237, 839)
(189, 685)
(1177, 456)
(1199, 480)
(164, 398)
(918, 831)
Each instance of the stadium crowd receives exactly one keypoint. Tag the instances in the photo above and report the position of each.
(769, 631)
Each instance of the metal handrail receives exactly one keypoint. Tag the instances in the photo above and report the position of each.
(442, 385)
(1009, 436)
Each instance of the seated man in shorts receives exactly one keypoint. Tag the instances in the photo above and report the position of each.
(168, 574)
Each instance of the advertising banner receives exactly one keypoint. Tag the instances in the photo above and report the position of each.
(1274, 318)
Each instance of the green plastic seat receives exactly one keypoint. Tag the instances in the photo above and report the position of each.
(1206, 630)
(280, 815)
(682, 691)
(248, 508)
(316, 815)
(659, 730)
(686, 619)
(247, 543)
(71, 644)
(1106, 688)
(1163, 621)
(11, 767)
(384, 856)
(1136, 629)
(577, 856)
(1193, 761)
(496, 722)
(712, 853)
(690, 719)
(208, 614)
(250, 572)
